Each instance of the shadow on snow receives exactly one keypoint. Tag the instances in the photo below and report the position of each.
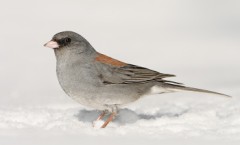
(125, 116)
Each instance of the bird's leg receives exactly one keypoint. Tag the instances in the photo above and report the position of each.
(111, 117)
(100, 117)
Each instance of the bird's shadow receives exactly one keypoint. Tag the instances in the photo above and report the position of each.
(125, 116)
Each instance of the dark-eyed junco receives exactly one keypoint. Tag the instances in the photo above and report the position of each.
(101, 82)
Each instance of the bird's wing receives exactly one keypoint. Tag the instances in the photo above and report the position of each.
(113, 71)
(116, 72)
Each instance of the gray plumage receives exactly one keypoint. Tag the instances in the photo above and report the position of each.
(103, 83)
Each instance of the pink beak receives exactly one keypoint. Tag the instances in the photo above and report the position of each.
(51, 44)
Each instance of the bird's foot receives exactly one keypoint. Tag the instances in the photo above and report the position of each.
(99, 118)
(113, 109)
(110, 118)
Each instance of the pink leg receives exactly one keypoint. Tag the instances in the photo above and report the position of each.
(101, 115)
(111, 117)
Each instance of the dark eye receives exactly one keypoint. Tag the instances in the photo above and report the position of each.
(64, 41)
(67, 40)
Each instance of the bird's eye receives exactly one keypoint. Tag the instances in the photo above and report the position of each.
(67, 40)
(64, 41)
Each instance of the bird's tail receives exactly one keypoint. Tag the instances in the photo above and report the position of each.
(175, 87)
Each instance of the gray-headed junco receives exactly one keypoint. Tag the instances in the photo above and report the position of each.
(101, 82)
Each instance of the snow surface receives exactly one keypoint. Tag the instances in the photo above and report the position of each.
(196, 40)
(171, 119)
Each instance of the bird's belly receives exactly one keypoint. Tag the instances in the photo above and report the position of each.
(90, 91)
(101, 97)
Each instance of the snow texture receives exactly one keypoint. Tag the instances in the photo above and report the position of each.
(187, 119)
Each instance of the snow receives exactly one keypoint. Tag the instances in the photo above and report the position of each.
(155, 118)
(196, 40)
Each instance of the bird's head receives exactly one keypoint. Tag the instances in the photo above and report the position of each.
(69, 41)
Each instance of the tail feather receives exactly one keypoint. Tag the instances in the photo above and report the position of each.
(184, 88)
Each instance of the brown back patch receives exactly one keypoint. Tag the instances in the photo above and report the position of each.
(110, 61)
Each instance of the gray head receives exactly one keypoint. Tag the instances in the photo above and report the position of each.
(69, 42)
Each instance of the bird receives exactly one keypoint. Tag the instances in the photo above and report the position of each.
(103, 83)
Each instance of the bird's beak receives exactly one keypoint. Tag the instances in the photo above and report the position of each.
(51, 44)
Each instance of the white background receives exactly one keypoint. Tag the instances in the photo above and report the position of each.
(198, 40)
